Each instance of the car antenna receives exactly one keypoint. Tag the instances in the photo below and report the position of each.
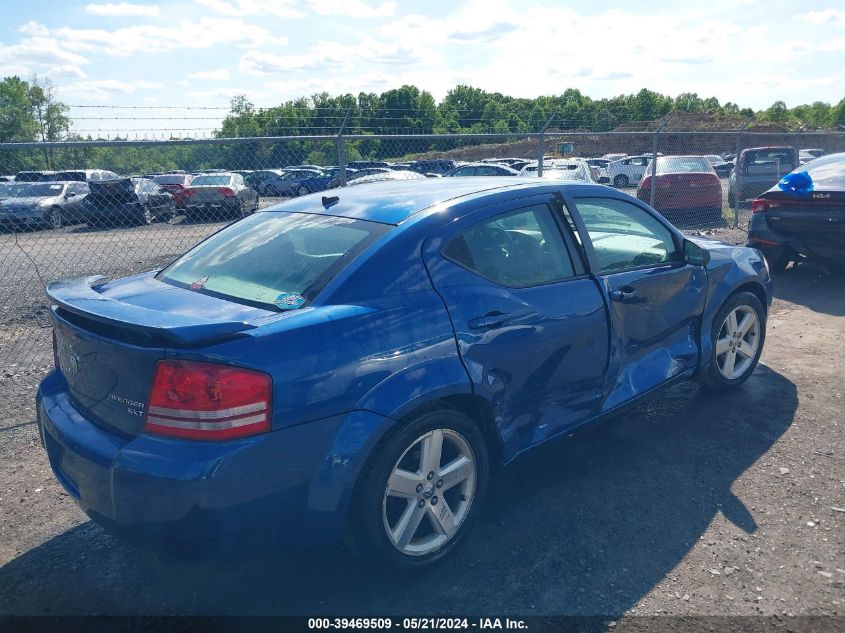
(330, 200)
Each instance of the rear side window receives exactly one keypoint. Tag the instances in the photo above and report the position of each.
(272, 255)
(517, 249)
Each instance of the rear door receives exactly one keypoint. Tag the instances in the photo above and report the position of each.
(655, 299)
(531, 326)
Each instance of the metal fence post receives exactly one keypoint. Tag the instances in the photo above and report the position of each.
(541, 145)
(737, 178)
(341, 150)
(654, 145)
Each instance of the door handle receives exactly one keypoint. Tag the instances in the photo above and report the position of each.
(489, 321)
(626, 294)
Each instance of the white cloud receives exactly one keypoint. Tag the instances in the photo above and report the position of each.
(103, 89)
(240, 8)
(220, 74)
(34, 29)
(151, 38)
(40, 54)
(352, 8)
(837, 45)
(828, 16)
(122, 9)
(222, 93)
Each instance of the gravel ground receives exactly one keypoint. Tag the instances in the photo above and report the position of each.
(691, 504)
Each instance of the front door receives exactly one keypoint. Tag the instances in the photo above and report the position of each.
(655, 299)
(531, 326)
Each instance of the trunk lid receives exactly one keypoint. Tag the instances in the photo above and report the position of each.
(109, 338)
(206, 193)
(818, 220)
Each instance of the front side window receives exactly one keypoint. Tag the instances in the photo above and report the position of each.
(273, 254)
(623, 235)
(517, 249)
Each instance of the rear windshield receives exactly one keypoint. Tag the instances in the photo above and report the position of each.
(41, 189)
(271, 256)
(176, 179)
(78, 176)
(682, 164)
(770, 157)
(199, 181)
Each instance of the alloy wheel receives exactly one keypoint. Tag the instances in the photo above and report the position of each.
(737, 342)
(429, 492)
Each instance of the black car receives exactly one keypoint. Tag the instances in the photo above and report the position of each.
(127, 201)
(802, 218)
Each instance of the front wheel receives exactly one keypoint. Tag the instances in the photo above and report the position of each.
(302, 190)
(55, 218)
(422, 490)
(145, 216)
(620, 181)
(738, 334)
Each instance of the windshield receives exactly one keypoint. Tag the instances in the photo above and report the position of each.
(682, 164)
(40, 190)
(273, 255)
(199, 181)
(11, 190)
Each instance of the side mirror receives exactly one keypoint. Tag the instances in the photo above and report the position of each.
(695, 254)
(70, 194)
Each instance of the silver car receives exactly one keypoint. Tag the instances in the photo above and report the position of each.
(52, 204)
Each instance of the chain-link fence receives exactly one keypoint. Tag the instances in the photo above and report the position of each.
(118, 207)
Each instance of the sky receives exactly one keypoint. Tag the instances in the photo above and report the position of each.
(199, 53)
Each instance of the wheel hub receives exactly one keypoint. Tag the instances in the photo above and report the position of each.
(428, 490)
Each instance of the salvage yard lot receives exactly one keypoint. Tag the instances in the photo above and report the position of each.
(688, 504)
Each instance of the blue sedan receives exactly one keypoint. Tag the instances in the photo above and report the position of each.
(359, 365)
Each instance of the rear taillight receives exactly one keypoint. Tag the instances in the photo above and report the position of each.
(226, 191)
(759, 206)
(206, 401)
(188, 192)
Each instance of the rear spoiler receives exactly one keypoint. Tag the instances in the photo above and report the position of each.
(78, 297)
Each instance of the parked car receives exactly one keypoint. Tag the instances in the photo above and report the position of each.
(759, 169)
(79, 175)
(33, 176)
(481, 169)
(256, 179)
(628, 171)
(790, 226)
(805, 157)
(127, 201)
(51, 204)
(176, 184)
(213, 195)
(358, 173)
(388, 175)
(358, 366)
(290, 183)
(600, 164)
(562, 169)
(328, 178)
(814, 152)
(365, 164)
(7, 178)
(685, 185)
(722, 167)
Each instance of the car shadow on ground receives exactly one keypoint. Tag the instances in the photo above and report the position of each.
(821, 288)
(587, 525)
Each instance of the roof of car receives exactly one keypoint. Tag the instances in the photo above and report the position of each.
(392, 202)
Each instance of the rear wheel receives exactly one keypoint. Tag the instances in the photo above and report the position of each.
(422, 489)
(302, 190)
(620, 181)
(270, 190)
(738, 334)
(55, 218)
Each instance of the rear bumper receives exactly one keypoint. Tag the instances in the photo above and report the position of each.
(283, 485)
(773, 244)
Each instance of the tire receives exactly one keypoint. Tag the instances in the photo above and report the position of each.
(722, 371)
(240, 210)
(731, 199)
(55, 218)
(778, 261)
(620, 181)
(377, 511)
(145, 216)
(302, 190)
(270, 190)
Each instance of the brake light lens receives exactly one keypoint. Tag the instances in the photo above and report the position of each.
(759, 206)
(207, 401)
(188, 192)
(226, 191)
